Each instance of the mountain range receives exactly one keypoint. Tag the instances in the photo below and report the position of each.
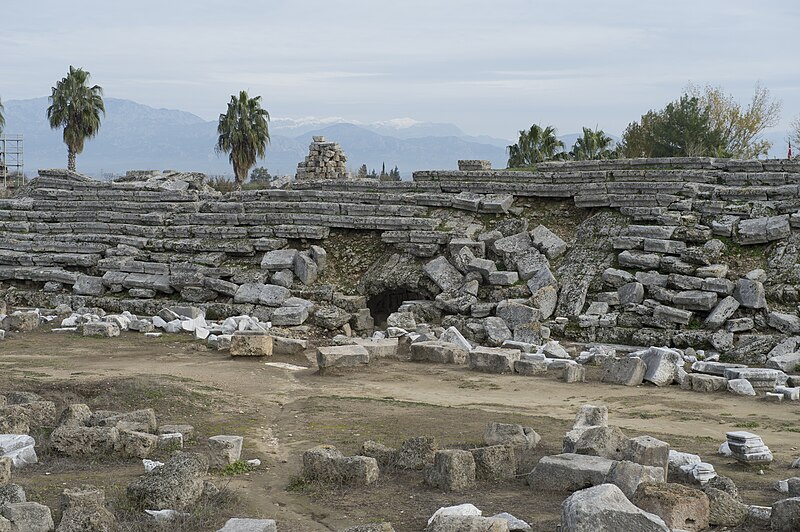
(136, 136)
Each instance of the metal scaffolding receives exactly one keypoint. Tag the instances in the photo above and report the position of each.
(12, 168)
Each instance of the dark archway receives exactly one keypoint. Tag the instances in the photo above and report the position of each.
(382, 304)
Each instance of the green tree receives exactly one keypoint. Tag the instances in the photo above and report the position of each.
(76, 107)
(594, 144)
(685, 129)
(362, 172)
(637, 140)
(373, 174)
(740, 127)
(682, 129)
(244, 134)
(2, 118)
(260, 175)
(394, 174)
(534, 146)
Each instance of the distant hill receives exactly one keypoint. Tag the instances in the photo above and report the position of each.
(136, 136)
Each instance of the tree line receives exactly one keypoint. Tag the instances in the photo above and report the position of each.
(703, 121)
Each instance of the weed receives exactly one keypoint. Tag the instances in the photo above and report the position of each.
(239, 467)
(746, 425)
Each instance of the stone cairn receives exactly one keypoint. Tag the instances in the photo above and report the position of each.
(325, 160)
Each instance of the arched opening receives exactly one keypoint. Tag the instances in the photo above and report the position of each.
(382, 304)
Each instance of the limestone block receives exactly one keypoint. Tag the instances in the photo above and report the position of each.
(695, 300)
(631, 293)
(251, 345)
(627, 371)
(289, 316)
(495, 462)
(444, 274)
(273, 296)
(604, 508)
(439, 352)
(305, 268)
(628, 475)
(784, 322)
(649, 451)
(281, 259)
(574, 373)
(224, 450)
(750, 294)
(343, 356)
(569, 472)
(497, 332)
(681, 507)
(136, 444)
(452, 470)
(548, 242)
(530, 367)
(28, 517)
(493, 359)
(87, 285)
(704, 383)
(101, 329)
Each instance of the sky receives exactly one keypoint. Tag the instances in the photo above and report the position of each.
(491, 67)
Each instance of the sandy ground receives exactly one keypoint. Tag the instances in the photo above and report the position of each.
(283, 412)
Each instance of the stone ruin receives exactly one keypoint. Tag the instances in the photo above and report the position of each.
(662, 256)
(325, 160)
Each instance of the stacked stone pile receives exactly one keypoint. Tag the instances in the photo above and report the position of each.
(325, 160)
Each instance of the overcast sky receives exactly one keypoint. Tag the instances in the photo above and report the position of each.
(490, 66)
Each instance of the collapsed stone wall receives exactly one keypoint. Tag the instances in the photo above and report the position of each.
(654, 261)
(325, 160)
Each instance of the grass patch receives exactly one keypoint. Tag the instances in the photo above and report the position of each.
(746, 425)
(239, 467)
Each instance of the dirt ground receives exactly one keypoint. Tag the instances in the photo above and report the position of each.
(282, 412)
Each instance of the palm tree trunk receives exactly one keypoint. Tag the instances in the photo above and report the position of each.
(70, 159)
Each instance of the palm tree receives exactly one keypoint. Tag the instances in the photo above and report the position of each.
(534, 146)
(76, 107)
(592, 145)
(244, 134)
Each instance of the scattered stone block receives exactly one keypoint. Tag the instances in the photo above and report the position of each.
(627, 371)
(748, 448)
(604, 508)
(628, 475)
(785, 515)
(740, 387)
(699, 382)
(493, 359)
(574, 373)
(452, 470)
(605, 441)
(289, 316)
(496, 462)
(224, 450)
(136, 444)
(5, 470)
(280, 259)
(569, 472)
(444, 274)
(251, 345)
(342, 356)
(649, 451)
(84, 441)
(176, 485)
(101, 328)
(548, 242)
(681, 507)
(438, 352)
(724, 509)
(530, 367)
(27, 517)
(84, 509)
(750, 294)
